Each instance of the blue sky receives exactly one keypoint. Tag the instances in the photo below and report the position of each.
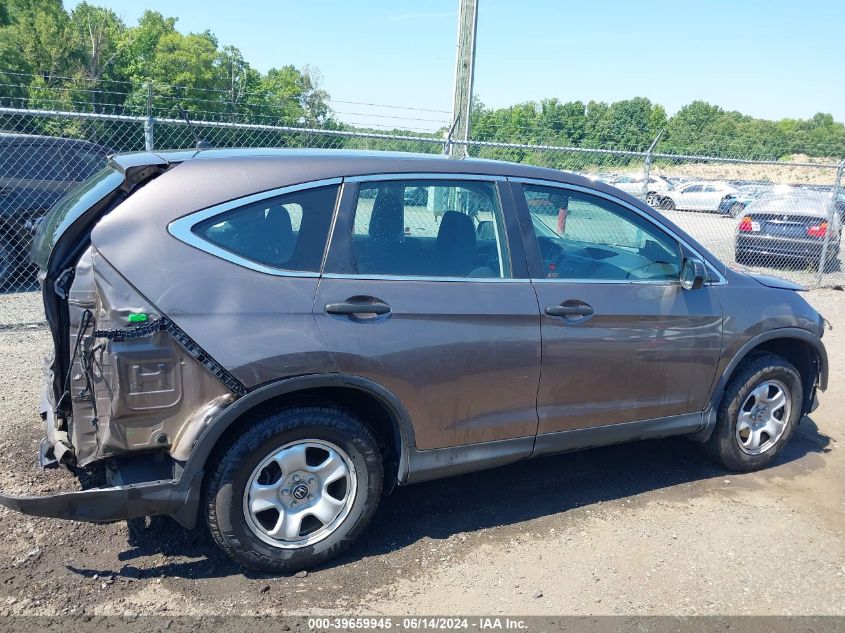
(767, 58)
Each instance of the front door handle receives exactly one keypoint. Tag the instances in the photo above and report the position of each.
(570, 309)
(350, 308)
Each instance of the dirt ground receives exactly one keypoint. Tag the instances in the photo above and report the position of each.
(646, 528)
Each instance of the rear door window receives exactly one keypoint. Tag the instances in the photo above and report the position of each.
(435, 228)
(287, 232)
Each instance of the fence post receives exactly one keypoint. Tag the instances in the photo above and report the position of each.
(831, 209)
(149, 122)
(447, 140)
(647, 165)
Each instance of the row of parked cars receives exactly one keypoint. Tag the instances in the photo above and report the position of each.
(775, 223)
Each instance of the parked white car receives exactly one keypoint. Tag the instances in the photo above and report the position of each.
(695, 196)
(633, 184)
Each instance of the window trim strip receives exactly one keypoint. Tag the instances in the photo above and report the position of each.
(425, 176)
(377, 277)
(182, 228)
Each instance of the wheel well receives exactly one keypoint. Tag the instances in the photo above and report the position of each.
(374, 412)
(800, 353)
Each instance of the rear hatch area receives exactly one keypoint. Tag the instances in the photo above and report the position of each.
(116, 382)
(132, 386)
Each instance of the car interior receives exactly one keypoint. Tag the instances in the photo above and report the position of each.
(288, 232)
(599, 241)
(391, 242)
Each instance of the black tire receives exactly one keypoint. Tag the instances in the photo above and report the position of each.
(667, 204)
(723, 445)
(224, 490)
(735, 209)
(833, 264)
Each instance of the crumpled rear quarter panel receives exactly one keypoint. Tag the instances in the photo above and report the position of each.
(258, 326)
(145, 388)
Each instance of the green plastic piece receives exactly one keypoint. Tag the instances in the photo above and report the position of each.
(137, 317)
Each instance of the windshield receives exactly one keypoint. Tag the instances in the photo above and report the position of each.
(67, 210)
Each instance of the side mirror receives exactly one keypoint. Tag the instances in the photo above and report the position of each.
(693, 274)
(485, 230)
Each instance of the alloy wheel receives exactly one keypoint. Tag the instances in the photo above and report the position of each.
(300, 493)
(763, 417)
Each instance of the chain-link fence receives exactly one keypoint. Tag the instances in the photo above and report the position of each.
(782, 217)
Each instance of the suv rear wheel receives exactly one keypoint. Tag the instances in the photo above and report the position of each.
(758, 414)
(295, 489)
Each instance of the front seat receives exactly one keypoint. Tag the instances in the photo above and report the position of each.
(456, 248)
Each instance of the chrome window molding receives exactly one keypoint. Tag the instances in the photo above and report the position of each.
(424, 176)
(375, 277)
(650, 282)
(182, 228)
(600, 194)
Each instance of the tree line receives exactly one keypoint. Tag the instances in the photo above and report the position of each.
(89, 59)
(634, 124)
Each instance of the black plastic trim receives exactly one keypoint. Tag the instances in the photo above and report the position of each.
(771, 335)
(592, 437)
(456, 460)
(810, 400)
(102, 504)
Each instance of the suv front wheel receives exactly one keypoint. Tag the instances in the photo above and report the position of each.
(758, 414)
(295, 489)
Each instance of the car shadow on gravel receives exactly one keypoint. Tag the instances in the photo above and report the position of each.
(440, 509)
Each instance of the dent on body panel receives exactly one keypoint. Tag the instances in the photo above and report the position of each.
(134, 394)
(258, 326)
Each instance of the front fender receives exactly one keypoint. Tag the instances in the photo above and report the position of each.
(778, 333)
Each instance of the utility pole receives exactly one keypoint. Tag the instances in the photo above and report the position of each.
(464, 69)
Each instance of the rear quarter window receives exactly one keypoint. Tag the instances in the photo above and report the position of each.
(288, 232)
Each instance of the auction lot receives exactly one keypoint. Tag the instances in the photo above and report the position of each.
(647, 528)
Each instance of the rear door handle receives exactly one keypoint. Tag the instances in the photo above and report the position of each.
(350, 308)
(569, 309)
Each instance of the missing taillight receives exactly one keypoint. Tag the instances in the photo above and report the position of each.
(817, 230)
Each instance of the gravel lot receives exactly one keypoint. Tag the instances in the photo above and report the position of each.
(646, 528)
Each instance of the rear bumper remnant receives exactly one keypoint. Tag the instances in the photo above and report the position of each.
(102, 505)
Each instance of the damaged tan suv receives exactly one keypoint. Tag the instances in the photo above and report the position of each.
(266, 340)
